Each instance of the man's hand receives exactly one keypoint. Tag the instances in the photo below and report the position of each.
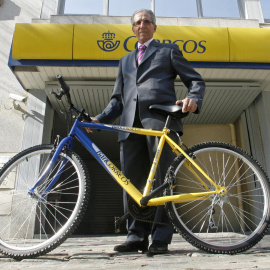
(189, 105)
(89, 130)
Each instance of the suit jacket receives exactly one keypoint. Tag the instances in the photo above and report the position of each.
(152, 82)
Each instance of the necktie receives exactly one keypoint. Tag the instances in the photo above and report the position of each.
(141, 53)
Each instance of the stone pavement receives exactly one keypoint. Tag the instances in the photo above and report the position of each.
(96, 252)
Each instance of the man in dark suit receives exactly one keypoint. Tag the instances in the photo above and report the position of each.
(144, 79)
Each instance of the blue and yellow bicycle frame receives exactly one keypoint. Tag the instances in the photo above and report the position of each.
(120, 178)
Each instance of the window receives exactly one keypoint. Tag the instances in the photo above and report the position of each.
(84, 7)
(163, 8)
(220, 8)
(127, 8)
(176, 8)
(266, 10)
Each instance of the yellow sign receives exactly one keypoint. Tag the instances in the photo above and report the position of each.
(113, 41)
(42, 41)
(101, 41)
(249, 45)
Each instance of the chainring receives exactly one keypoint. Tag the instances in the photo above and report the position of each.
(144, 213)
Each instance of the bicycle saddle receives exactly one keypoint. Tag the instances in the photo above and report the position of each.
(175, 111)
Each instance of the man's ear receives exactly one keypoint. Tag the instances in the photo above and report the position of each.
(155, 28)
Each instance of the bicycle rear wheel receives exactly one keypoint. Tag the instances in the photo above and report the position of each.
(229, 223)
(31, 224)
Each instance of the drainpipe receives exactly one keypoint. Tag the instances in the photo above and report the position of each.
(233, 134)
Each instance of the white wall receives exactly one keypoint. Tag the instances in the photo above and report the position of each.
(12, 115)
(252, 9)
(50, 7)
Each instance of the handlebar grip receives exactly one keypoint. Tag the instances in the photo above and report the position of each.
(64, 86)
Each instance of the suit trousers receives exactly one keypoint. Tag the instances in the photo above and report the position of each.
(136, 154)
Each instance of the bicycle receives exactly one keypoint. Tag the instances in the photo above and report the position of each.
(216, 195)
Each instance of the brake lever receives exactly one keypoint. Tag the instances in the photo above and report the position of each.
(87, 117)
(58, 96)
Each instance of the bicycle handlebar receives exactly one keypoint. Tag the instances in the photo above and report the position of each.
(64, 86)
(65, 92)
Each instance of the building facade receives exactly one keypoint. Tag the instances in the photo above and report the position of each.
(41, 39)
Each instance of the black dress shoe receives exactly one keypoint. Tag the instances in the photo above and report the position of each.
(158, 247)
(132, 246)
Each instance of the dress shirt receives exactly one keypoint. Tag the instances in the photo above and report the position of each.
(139, 45)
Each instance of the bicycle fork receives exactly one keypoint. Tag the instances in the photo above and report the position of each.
(55, 154)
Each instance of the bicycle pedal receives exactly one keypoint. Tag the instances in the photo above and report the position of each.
(120, 220)
(116, 225)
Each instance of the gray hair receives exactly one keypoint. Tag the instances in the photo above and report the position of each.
(153, 17)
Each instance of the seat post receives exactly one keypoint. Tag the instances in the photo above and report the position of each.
(168, 121)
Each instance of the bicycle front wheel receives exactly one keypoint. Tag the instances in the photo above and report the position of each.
(221, 223)
(32, 224)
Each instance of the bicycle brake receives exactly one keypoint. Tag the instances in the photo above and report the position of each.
(56, 143)
(190, 153)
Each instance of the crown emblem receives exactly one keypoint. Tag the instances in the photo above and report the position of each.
(107, 43)
(108, 35)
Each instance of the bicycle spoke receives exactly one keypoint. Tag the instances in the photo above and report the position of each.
(226, 222)
(35, 222)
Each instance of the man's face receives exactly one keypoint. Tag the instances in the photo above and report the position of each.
(142, 28)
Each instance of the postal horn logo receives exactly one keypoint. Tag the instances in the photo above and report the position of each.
(107, 44)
